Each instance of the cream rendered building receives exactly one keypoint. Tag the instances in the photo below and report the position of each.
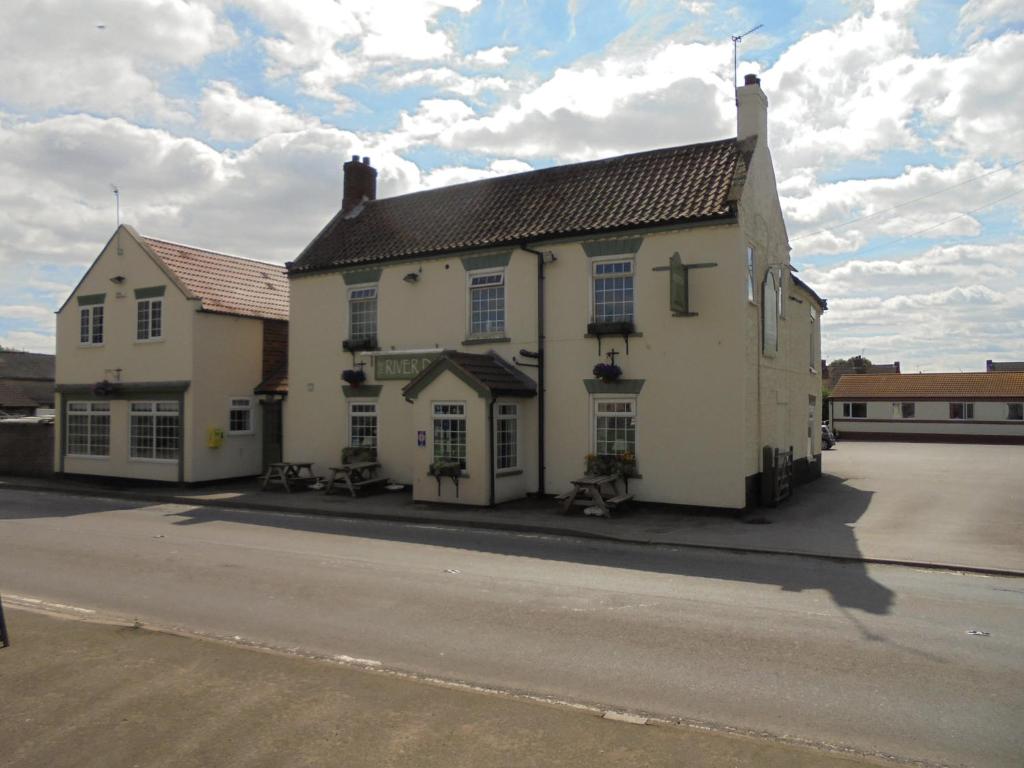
(159, 350)
(672, 264)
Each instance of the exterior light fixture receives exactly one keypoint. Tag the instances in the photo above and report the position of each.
(412, 277)
(117, 279)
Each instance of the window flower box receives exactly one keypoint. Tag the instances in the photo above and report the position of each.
(359, 345)
(445, 467)
(623, 464)
(617, 328)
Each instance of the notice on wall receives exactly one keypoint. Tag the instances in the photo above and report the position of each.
(421, 438)
(402, 365)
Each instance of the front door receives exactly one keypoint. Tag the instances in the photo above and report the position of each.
(271, 432)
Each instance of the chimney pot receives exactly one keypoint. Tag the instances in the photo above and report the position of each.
(360, 183)
(355, 158)
(751, 80)
(366, 161)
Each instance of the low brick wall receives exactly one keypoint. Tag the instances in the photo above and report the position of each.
(26, 449)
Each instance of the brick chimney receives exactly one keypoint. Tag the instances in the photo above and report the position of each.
(360, 183)
(751, 110)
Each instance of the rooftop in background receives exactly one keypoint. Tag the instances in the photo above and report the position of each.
(661, 187)
(226, 284)
(997, 385)
(991, 365)
(26, 365)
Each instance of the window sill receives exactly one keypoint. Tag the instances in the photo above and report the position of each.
(250, 433)
(89, 346)
(508, 472)
(153, 461)
(482, 339)
(149, 341)
(84, 456)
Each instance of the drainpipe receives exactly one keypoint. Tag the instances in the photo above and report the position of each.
(492, 470)
(540, 367)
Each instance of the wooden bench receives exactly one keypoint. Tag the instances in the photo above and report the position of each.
(354, 476)
(290, 473)
(592, 492)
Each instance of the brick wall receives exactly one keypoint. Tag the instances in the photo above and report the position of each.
(26, 449)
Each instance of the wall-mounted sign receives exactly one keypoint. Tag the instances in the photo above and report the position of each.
(402, 365)
(421, 438)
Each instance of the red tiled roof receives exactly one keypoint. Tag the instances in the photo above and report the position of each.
(274, 384)
(910, 386)
(664, 186)
(226, 284)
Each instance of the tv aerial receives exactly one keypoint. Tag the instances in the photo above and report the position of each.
(736, 40)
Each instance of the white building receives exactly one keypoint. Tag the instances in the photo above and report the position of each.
(159, 350)
(478, 312)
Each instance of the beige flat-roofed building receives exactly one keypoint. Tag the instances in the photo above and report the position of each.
(486, 338)
(974, 407)
(159, 350)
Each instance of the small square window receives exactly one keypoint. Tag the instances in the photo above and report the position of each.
(903, 410)
(961, 411)
(1015, 411)
(240, 416)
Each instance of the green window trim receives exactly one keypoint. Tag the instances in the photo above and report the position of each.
(487, 261)
(361, 276)
(92, 298)
(620, 387)
(625, 246)
(363, 390)
(150, 293)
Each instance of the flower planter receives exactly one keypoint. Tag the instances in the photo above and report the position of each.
(607, 372)
(353, 376)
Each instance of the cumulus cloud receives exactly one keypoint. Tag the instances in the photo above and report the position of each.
(447, 175)
(979, 16)
(230, 116)
(492, 57)
(447, 79)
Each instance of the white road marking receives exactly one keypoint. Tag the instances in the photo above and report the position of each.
(31, 602)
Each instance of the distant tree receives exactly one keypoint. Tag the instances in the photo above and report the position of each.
(857, 361)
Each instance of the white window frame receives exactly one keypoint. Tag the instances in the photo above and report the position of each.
(594, 277)
(848, 409)
(470, 288)
(594, 412)
(355, 297)
(353, 415)
(897, 409)
(463, 417)
(751, 271)
(93, 411)
(91, 311)
(153, 414)
(150, 304)
(501, 418)
(966, 408)
(241, 405)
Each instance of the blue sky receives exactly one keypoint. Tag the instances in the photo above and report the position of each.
(896, 127)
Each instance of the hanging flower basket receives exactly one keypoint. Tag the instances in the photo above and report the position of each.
(353, 376)
(607, 371)
(445, 467)
(623, 464)
(103, 388)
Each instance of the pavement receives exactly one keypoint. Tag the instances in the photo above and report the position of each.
(80, 694)
(946, 506)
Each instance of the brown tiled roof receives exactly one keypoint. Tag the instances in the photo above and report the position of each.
(13, 395)
(26, 365)
(227, 284)
(920, 386)
(274, 384)
(664, 186)
(488, 374)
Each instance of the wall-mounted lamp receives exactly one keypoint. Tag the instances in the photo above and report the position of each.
(412, 277)
(117, 279)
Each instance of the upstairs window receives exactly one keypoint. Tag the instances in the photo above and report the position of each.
(88, 429)
(613, 291)
(486, 303)
(240, 416)
(961, 410)
(362, 315)
(91, 325)
(1015, 411)
(855, 410)
(750, 275)
(769, 309)
(812, 345)
(150, 319)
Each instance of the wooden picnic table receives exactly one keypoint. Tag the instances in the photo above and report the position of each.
(356, 475)
(289, 473)
(595, 492)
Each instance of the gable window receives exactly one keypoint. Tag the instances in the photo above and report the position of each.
(154, 431)
(450, 432)
(486, 303)
(750, 275)
(150, 319)
(240, 416)
(362, 425)
(362, 315)
(961, 410)
(613, 291)
(88, 429)
(615, 427)
(770, 312)
(855, 410)
(813, 348)
(903, 410)
(91, 325)
(506, 441)
(1015, 411)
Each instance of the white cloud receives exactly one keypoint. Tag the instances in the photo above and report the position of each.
(29, 341)
(443, 177)
(54, 56)
(978, 16)
(493, 57)
(229, 116)
(449, 80)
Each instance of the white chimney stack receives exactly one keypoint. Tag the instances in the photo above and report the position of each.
(751, 110)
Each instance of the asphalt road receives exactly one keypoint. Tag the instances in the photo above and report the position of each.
(877, 658)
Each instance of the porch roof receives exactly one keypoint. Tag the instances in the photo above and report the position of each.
(489, 375)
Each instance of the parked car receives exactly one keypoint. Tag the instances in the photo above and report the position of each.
(828, 440)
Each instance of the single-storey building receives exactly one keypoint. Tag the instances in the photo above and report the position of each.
(980, 407)
(639, 311)
(160, 350)
(26, 383)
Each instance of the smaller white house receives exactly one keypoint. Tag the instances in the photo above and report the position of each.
(936, 407)
(161, 349)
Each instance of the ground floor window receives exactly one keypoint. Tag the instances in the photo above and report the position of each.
(506, 441)
(88, 428)
(450, 432)
(240, 416)
(961, 410)
(903, 410)
(362, 425)
(1015, 411)
(615, 427)
(855, 410)
(155, 430)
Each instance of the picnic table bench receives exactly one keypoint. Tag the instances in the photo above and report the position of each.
(289, 473)
(355, 475)
(595, 492)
